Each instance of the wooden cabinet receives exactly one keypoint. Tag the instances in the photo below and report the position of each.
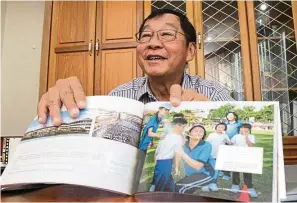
(94, 41)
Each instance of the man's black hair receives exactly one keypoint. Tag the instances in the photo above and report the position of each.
(185, 24)
(224, 124)
(235, 115)
(199, 126)
(180, 121)
(178, 115)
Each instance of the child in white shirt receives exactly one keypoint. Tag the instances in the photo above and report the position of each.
(165, 154)
(244, 139)
(219, 137)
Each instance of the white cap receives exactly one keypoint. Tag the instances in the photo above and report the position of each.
(166, 106)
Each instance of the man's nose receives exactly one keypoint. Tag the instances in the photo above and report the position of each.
(155, 43)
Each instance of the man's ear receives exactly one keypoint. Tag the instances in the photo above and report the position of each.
(191, 51)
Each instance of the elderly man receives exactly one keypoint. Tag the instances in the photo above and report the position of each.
(166, 43)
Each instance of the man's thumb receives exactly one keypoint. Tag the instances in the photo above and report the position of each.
(175, 95)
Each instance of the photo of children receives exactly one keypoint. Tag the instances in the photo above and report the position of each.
(184, 156)
(118, 126)
(79, 127)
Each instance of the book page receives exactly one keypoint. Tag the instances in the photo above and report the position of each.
(183, 155)
(280, 180)
(98, 149)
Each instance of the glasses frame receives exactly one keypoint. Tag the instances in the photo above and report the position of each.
(158, 35)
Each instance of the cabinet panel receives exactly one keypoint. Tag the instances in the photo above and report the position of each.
(119, 21)
(118, 67)
(73, 22)
(74, 64)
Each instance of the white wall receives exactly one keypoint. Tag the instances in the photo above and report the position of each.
(23, 24)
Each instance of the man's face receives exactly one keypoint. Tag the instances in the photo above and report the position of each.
(174, 54)
(197, 133)
(163, 112)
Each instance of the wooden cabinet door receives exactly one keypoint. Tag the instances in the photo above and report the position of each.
(223, 51)
(273, 42)
(117, 24)
(73, 29)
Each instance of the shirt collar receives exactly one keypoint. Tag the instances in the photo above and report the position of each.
(199, 144)
(145, 89)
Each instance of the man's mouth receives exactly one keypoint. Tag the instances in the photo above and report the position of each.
(155, 57)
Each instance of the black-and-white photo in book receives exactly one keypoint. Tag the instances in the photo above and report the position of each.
(225, 150)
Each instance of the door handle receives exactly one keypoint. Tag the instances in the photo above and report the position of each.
(97, 47)
(199, 40)
(90, 48)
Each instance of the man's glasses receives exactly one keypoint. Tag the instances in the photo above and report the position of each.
(163, 35)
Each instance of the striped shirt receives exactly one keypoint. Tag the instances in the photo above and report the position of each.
(139, 89)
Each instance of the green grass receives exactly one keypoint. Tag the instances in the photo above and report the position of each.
(262, 183)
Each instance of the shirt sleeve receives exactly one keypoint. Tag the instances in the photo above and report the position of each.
(221, 94)
(226, 137)
(233, 140)
(205, 154)
(252, 139)
(209, 138)
(151, 123)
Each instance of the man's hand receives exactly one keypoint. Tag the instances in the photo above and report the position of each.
(177, 94)
(66, 91)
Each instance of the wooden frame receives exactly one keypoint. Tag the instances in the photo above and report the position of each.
(245, 48)
(199, 28)
(294, 12)
(147, 8)
(193, 66)
(98, 36)
(254, 51)
(45, 49)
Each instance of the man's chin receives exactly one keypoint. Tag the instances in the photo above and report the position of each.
(155, 73)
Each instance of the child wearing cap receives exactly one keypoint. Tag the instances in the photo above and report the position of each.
(168, 126)
(198, 163)
(150, 129)
(165, 153)
(244, 139)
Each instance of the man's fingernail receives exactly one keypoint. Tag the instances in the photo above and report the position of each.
(81, 104)
(41, 120)
(56, 121)
(175, 101)
(74, 112)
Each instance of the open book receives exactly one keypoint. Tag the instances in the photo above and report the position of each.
(227, 150)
